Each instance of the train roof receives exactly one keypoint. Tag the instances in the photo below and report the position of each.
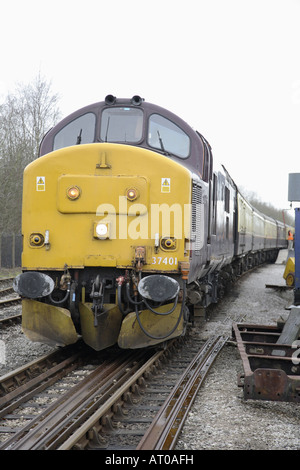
(90, 124)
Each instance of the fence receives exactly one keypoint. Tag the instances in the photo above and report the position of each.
(10, 250)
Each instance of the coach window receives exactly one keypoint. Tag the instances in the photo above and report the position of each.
(214, 205)
(78, 131)
(227, 199)
(122, 124)
(168, 137)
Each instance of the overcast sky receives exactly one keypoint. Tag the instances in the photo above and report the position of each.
(230, 68)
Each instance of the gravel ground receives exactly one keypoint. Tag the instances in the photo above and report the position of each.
(220, 418)
(16, 349)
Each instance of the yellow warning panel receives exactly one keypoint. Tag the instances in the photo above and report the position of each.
(40, 183)
(166, 185)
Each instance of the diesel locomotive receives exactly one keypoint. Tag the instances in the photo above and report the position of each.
(129, 226)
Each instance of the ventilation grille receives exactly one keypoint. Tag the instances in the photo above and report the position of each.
(197, 215)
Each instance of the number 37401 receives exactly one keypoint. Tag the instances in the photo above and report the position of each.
(168, 261)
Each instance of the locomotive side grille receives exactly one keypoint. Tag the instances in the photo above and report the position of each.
(196, 217)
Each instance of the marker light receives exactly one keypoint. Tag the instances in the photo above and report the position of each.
(131, 194)
(73, 192)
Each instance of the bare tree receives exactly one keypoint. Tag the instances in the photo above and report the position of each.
(25, 117)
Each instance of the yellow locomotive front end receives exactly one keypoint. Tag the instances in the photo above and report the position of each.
(105, 230)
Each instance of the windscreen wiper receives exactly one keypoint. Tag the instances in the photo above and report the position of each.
(162, 144)
(107, 128)
(78, 141)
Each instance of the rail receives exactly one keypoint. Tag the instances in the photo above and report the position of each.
(164, 430)
(93, 424)
(10, 321)
(7, 295)
(32, 377)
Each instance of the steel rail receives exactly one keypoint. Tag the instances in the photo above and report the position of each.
(6, 291)
(3, 280)
(53, 426)
(8, 302)
(40, 383)
(58, 419)
(164, 430)
(93, 422)
(30, 375)
(9, 321)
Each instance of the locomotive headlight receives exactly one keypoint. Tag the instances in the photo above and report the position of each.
(101, 230)
(36, 239)
(132, 194)
(168, 243)
(73, 192)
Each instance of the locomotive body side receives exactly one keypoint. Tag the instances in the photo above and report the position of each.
(223, 223)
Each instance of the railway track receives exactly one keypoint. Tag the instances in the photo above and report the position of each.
(4, 280)
(110, 405)
(10, 321)
(9, 302)
(8, 298)
(6, 291)
(6, 284)
(167, 424)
